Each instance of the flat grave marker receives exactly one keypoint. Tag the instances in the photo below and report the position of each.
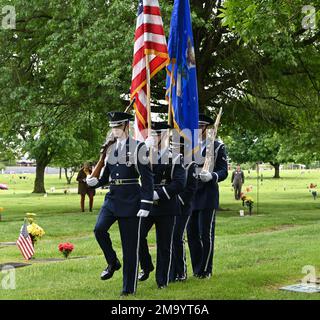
(302, 287)
(14, 265)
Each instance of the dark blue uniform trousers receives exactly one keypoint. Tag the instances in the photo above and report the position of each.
(164, 237)
(201, 232)
(179, 263)
(130, 234)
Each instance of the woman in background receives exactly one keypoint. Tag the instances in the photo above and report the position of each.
(83, 188)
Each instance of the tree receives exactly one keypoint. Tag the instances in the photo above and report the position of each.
(82, 146)
(47, 80)
(254, 147)
(285, 74)
(260, 77)
(68, 60)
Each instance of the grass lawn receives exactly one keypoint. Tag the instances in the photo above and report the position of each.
(254, 255)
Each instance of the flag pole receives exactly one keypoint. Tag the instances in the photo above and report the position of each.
(149, 103)
(170, 115)
(148, 94)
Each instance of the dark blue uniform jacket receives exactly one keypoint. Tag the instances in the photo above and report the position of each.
(207, 195)
(169, 181)
(187, 195)
(127, 200)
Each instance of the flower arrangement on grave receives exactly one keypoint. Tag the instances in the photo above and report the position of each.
(66, 248)
(243, 198)
(248, 202)
(30, 217)
(313, 190)
(36, 232)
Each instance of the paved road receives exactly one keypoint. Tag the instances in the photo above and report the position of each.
(21, 170)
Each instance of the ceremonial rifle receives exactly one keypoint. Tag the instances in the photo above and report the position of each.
(211, 136)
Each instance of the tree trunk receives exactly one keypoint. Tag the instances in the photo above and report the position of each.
(60, 173)
(67, 177)
(276, 170)
(39, 181)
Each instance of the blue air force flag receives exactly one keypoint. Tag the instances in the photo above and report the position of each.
(184, 91)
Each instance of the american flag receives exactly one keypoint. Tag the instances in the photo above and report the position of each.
(149, 40)
(24, 243)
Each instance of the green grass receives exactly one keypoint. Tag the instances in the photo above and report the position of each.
(254, 256)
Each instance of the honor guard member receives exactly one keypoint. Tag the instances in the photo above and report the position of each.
(169, 181)
(201, 226)
(179, 265)
(128, 198)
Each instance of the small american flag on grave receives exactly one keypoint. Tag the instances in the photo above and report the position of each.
(24, 242)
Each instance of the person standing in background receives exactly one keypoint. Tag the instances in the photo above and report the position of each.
(83, 188)
(237, 181)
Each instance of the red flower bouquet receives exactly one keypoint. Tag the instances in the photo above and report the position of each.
(66, 248)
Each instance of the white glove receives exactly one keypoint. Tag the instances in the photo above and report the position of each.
(92, 181)
(143, 213)
(205, 176)
(155, 195)
(150, 142)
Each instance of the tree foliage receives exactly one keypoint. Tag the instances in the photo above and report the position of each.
(68, 62)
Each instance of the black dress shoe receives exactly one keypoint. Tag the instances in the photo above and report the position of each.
(204, 275)
(109, 271)
(144, 274)
(197, 275)
(161, 286)
(181, 278)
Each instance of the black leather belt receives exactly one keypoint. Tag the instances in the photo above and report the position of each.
(121, 182)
